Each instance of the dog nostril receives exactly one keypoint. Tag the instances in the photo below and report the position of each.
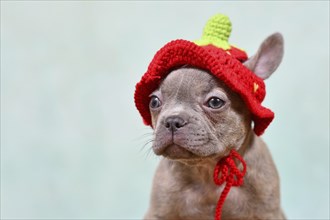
(173, 123)
(178, 125)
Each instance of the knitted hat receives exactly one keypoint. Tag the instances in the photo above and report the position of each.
(214, 54)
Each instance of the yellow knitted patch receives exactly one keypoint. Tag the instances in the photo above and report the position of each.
(255, 87)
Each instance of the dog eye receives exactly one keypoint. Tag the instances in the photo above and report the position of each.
(215, 103)
(155, 102)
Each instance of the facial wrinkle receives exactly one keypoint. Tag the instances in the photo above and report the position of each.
(180, 84)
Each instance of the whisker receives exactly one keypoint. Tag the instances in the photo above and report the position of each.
(144, 136)
(144, 145)
(148, 152)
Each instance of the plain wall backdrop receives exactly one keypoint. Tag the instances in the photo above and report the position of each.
(71, 138)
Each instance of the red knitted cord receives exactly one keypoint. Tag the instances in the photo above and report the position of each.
(229, 174)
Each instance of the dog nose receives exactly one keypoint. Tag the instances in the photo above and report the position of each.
(173, 123)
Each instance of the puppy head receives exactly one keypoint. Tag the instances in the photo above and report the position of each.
(196, 116)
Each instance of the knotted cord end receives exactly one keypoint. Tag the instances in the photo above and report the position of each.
(230, 174)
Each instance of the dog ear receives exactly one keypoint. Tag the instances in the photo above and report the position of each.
(268, 57)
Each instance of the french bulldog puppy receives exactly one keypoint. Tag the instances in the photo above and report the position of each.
(197, 120)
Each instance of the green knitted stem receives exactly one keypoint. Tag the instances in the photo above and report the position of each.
(216, 32)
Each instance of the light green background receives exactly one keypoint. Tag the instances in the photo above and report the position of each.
(71, 138)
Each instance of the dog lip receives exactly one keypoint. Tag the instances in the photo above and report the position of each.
(175, 151)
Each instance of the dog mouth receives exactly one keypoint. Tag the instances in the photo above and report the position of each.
(174, 151)
(180, 146)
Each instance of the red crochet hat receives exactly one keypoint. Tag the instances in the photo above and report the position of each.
(214, 54)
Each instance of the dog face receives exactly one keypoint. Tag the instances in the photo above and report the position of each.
(196, 116)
